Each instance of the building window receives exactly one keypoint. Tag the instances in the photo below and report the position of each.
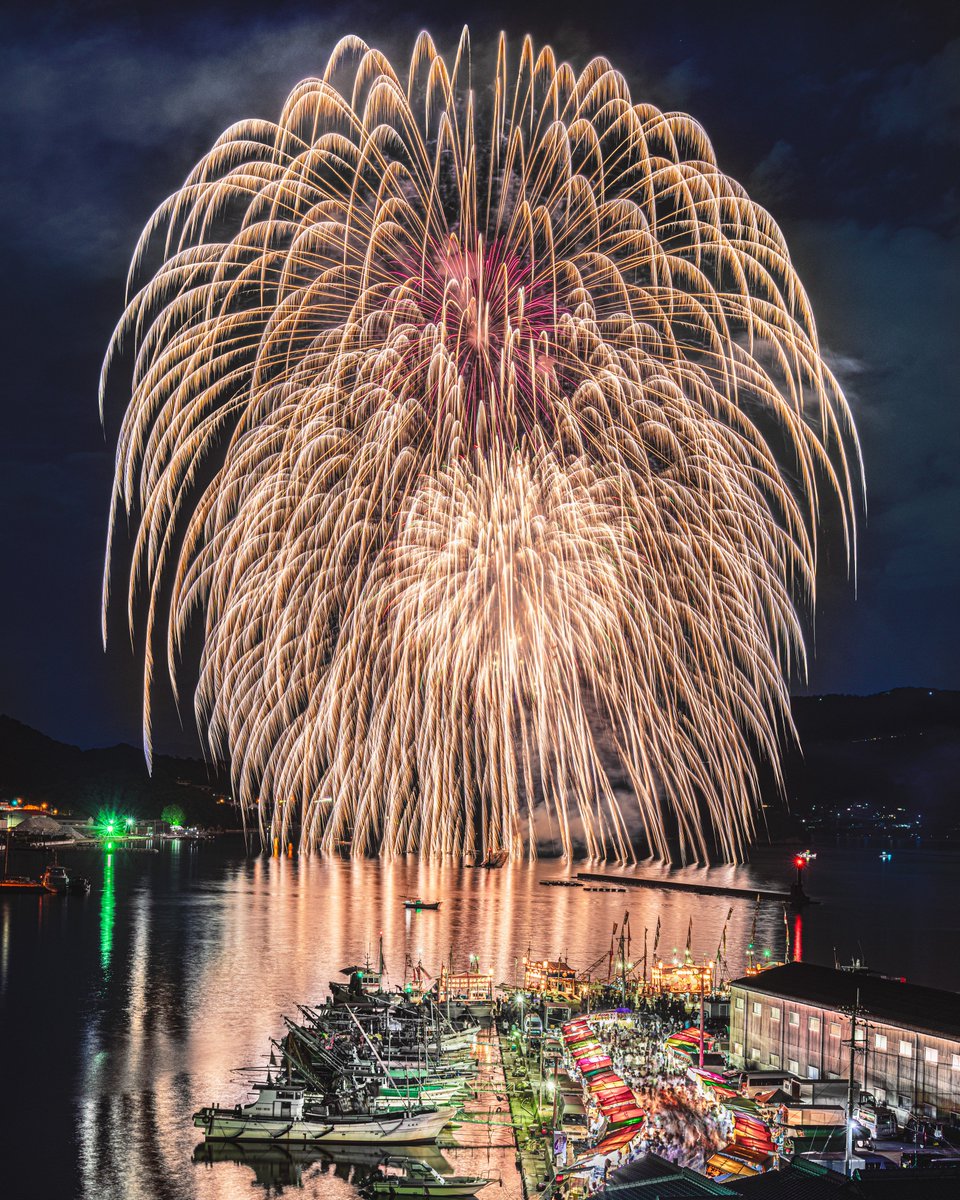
(774, 1060)
(756, 1008)
(906, 1049)
(930, 1054)
(955, 1063)
(903, 1102)
(794, 1018)
(793, 1066)
(860, 1034)
(738, 1047)
(881, 1041)
(813, 1072)
(774, 1014)
(739, 1004)
(813, 1024)
(834, 1030)
(880, 1093)
(755, 1053)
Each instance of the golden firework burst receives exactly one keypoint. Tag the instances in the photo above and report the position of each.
(483, 431)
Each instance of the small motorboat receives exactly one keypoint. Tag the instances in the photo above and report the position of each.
(418, 904)
(56, 879)
(79, 885)
(412, 1177)
(885, 856)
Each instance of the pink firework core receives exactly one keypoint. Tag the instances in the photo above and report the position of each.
(496, 316)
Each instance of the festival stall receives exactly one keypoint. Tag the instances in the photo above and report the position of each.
(751, 1149)
(607, 1094)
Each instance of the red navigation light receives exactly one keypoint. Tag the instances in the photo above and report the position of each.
(799, 861)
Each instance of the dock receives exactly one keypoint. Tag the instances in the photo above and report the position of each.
(703, 889)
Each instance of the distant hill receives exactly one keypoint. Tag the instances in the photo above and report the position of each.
(896, 749)
(86, 782)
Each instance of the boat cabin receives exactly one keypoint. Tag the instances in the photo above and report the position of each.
(278, 1100)
(554, 979)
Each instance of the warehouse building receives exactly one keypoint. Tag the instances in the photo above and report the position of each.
(798, 1018)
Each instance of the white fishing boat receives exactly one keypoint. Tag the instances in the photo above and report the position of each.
(420, 1093)
(408, 1177)
(280, 1113)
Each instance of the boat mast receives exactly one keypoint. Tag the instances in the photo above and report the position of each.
(722, 951)
(751, 952)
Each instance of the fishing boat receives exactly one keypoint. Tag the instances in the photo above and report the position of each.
(418, 904)
(468, 993)
(280, 1113)
(430, 1091)
(56, 879)
(408, 1177)
(18, 884)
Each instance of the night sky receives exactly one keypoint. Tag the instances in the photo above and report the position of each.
(842, 119)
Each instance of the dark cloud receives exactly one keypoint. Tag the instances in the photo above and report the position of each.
(773, 180)
(921, 99)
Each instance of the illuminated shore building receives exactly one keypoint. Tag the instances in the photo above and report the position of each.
(554, 980)
(470, 989)
(682, 979)
(798, 1018)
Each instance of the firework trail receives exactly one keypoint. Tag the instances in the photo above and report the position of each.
(481, 430)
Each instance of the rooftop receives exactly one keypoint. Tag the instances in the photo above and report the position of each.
(905, 1004)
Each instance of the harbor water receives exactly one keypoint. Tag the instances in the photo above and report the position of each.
(126, 1010)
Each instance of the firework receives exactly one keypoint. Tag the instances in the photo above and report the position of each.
(481, 432)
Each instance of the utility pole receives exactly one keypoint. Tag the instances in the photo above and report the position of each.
(851, 1086)
(701, 1018)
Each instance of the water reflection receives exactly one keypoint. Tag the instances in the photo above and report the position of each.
(277, 1167)
(4, 948)
(150, 995)
(209, 952)
(107, 907)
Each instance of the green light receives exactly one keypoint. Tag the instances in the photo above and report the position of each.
(766, 954)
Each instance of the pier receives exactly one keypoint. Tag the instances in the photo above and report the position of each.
(703, 889)
(504, 1117)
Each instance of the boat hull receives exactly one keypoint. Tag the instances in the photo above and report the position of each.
(387, 1128)
(458, 1189)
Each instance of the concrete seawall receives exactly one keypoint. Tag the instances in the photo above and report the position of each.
(673, 885)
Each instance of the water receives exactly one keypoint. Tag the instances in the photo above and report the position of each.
(124, 1011)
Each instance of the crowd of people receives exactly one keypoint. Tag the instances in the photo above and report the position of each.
(682, 1125)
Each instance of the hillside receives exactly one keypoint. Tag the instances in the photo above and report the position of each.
(86, 782)
(898, 750)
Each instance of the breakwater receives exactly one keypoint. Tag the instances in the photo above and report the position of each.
(676, 885)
